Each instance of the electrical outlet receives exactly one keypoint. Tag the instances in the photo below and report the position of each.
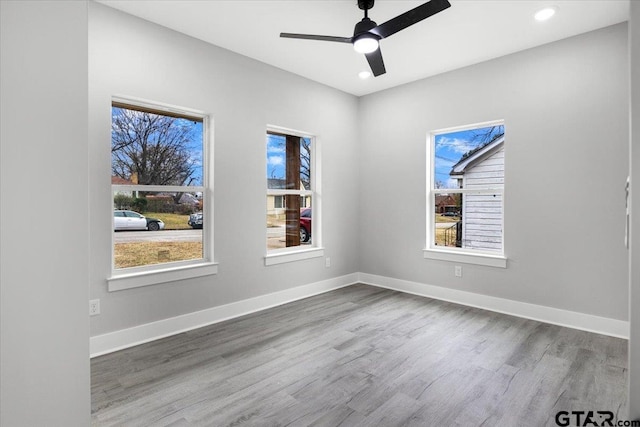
(94, 307)
(327, 262)
(458, 271)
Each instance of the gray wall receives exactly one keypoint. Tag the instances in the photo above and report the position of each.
(565, 107)
(44, 267)
(129, 56)
(634, 300)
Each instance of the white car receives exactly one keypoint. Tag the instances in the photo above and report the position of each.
(130, 220)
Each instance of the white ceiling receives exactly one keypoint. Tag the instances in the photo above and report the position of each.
(470, 31)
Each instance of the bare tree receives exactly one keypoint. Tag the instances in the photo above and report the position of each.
(305, 162)
(154, 148)
(484, 137)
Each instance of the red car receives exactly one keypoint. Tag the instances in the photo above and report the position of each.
(305, 225)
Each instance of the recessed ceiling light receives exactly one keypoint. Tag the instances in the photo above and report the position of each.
(364, 74)
(544, 14)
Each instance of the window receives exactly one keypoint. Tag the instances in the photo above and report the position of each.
(160, 187)
(278, 202)
(292, 197)
(466, 193)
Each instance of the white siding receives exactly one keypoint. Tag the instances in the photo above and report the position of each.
(482, 213)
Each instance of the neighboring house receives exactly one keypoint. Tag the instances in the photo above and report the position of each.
(446, 203)
(482, 215)
(190, 199)
(276, 204)
(194, 200)
(116, 180)
(166, 202)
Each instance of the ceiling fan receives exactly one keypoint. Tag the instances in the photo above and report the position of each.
(367, 34)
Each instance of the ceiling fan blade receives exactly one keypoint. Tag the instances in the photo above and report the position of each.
(314, 37)
(409, 18)
(375, 62)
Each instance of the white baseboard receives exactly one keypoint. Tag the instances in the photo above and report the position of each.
(118, 340)
(570, 319)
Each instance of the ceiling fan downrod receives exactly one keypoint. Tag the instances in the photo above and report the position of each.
(365, 5)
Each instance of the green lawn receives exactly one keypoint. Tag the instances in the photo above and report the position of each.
(147, 253)
(440, 237)
(440, 232)
(171, 221)
(440, 218)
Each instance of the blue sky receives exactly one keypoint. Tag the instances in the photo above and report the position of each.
(450, 147)
(196, 150)
(275, 156)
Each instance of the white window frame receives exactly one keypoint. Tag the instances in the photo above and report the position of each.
(134, 277)
(458, 255)
(315, 250)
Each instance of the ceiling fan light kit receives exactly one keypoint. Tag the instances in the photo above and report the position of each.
(365, 44)
(367, 34)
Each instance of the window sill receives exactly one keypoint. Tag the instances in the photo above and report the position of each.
(499, 261)
(121, 282)
(281, 258)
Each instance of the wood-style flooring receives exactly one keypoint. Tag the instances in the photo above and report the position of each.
(362, 356)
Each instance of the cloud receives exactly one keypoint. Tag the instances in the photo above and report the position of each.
(455, 144)
(275, 160)
(275, 149)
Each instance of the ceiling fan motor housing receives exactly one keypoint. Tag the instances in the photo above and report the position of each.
(363, 27)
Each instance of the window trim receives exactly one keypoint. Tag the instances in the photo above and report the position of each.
(459, 255)
(298, 253)
(170, 273)
(294, 255)
(134, 277)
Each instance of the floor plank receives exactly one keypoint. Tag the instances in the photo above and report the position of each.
(362, 356)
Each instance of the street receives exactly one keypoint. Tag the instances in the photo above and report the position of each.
(158, 236)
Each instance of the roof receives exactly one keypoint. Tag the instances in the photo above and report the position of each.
(445, 199)
(276, 183)
(116, 180)
(477, 156)
(281, 184)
